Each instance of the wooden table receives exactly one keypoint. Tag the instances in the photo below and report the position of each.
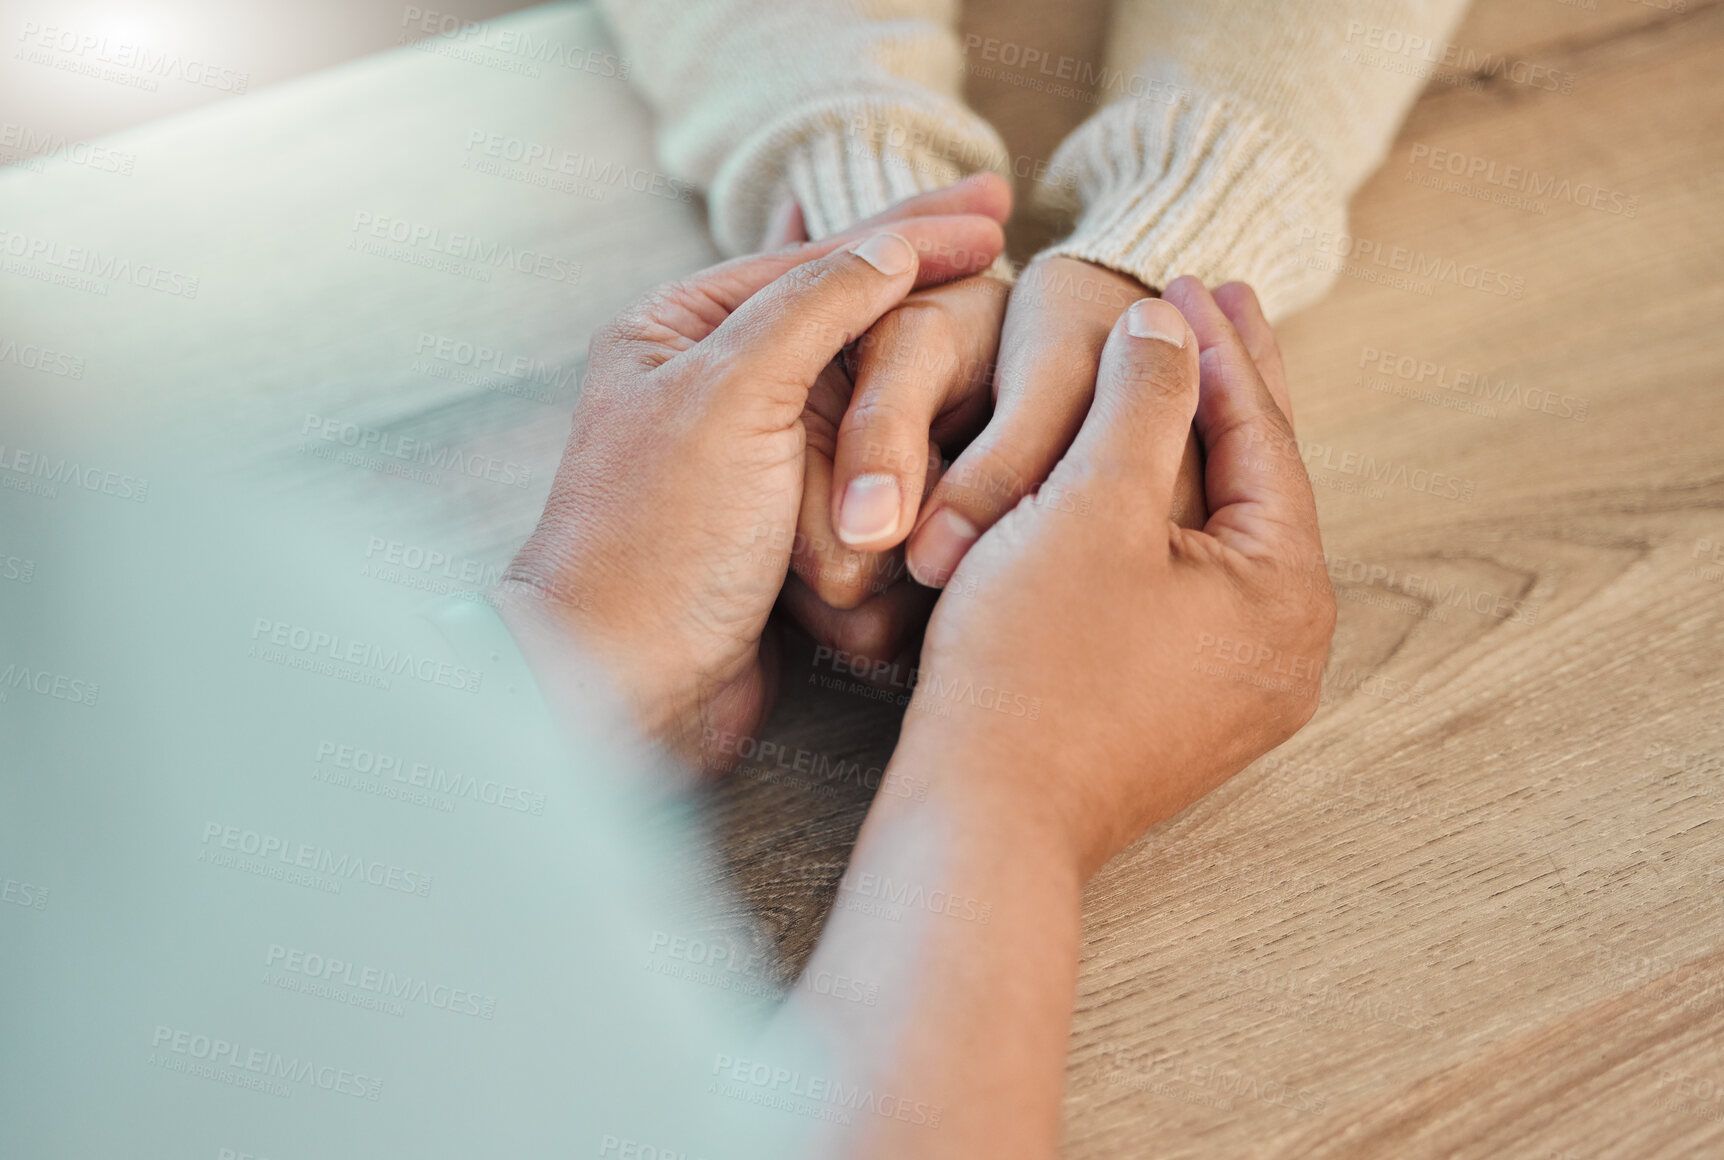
(1472, 910)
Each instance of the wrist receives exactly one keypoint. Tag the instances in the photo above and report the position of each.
(998, 787)
(1201, 185)
(558, 640)
(849, 157)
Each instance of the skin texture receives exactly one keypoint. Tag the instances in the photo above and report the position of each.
(1084, 675)
(671, 521)
(989, 380)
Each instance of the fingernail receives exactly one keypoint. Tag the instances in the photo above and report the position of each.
(888, 253)
(869, 509)
(1154, 318)
(939, 546)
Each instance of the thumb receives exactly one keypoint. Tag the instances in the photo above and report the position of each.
(774, 345)
(1145, 397)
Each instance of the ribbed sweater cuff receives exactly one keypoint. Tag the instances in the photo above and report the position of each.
(846, 159)
(1200, 185)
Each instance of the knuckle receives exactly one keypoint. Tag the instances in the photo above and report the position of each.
(807, 277)
(868, 632)
(992, 481)
(842, 590)
(879, 431)
(918, 339)
(842, 578)
(627, 327)
(643, 320)
(820, 292)
(928, 320)
(1162, 371)
(1241, 294)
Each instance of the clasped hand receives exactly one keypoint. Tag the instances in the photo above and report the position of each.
(719, 411)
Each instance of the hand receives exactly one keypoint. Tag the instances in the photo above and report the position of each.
(1114, 666)
(909, 393)
(668, 532)
(1062, 311)
(925, 377)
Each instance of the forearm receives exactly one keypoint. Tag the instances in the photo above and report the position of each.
(962, 912)
(1238, 130)
(849, 107)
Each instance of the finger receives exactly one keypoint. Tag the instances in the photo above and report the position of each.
(1043, 385)
(686, 312)
(1239, 303)
(926, 366)
(1260, 498)
(985, 193)
(1146, 392)
(777, 342)
(878, 630)
(843, 577)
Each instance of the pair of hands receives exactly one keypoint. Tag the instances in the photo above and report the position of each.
(955, 405)
(671, 526)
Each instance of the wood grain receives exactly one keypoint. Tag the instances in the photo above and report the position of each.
(1473, 909)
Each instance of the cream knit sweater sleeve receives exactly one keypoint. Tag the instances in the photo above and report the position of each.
(847, 105)
(1244, 125)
